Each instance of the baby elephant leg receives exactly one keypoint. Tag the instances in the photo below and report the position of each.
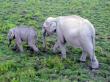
(32, 42)
(19, 45)
(32, 45)
(15, 48)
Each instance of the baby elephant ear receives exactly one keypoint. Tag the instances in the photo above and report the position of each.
(12, 33)
(10, 36)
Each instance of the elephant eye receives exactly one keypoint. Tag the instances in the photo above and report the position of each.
(50, 24)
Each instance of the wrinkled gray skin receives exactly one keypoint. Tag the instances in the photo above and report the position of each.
(23, 33)
(74, 30)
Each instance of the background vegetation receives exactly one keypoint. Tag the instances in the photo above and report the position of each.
(46, 66)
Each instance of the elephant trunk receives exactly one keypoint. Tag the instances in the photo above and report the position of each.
(44, 39)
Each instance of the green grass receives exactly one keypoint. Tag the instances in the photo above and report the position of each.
(47, 66)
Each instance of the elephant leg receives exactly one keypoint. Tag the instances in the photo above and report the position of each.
(20, 47)
(83, 56)
(32, 43)
(15, 48)
(63, 50)
(61, 43)
(18, 42)
(34, 47)
(94, 61)
(56, 46)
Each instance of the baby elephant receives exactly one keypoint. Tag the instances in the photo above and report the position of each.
(74, 30)
(23, 33)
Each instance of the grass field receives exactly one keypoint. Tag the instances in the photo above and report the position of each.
(47, 66)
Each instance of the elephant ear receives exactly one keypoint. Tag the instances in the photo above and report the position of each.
(46, 24)
(53, 25)
(10, 36)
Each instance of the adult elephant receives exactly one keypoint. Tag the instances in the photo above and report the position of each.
(74, 30)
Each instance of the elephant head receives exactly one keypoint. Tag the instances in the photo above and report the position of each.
(49, 27)
(11, 36)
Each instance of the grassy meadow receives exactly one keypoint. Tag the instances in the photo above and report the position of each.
(47, 66)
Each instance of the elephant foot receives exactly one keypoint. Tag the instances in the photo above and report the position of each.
(95, 65)
(83, 59)
(54, 50)
(15, 49)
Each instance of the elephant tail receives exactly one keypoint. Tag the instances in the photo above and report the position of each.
(93, 41)
(93, 38)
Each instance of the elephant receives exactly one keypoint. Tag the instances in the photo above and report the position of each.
(23, 33)
(74, 30)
